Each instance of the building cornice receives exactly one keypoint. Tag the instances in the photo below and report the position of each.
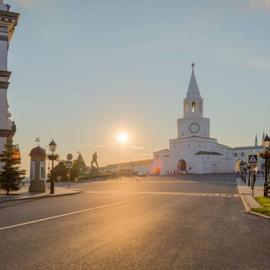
(193, 138)
(4, 85)
(4, 38)
(206, 153)
(5, 74)
(247, 148)
(11, 17)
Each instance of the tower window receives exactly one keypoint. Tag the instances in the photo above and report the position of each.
(193, 106)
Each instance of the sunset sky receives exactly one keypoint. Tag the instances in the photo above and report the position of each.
(85, 70)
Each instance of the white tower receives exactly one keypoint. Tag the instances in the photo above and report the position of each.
(193, 123)
(8, 22)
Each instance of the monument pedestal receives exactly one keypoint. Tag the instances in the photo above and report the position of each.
(37, 186)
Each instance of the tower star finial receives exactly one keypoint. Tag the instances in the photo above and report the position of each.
(193, 66)
(37, 140)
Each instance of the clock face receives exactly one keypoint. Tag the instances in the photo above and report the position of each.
(194, 128)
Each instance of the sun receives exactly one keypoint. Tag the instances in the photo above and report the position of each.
(122, 137)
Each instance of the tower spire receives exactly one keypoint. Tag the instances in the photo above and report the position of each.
(256, 140)
(263, 136)
(193, 89)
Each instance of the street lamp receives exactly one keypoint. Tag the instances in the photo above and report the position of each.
(266, 156)
(244, 166)
(52, 157)
(52, 146)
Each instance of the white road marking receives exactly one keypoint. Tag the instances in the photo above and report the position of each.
(154, 181)
(173, 193)
(71, 213)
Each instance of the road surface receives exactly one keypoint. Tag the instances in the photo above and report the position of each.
(190, 222)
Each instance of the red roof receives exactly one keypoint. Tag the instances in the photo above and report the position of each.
(38, 151)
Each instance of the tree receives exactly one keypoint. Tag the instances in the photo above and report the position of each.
(60, 171)
(10, 174)
(75, 171)
(80, 164)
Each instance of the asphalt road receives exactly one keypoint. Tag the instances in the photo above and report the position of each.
(196, 222)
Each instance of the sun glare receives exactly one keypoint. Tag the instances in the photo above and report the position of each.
(122, 138)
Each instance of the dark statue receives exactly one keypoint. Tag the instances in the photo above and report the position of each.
(94, 169)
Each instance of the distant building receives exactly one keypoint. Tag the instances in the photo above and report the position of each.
(142, 167)
(194, 151)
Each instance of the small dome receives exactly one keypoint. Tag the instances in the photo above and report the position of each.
(38, 151)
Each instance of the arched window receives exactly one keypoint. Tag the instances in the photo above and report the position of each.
(193, 107)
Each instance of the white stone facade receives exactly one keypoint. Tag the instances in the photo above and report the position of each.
(8, 22)
(194, 151)
(141, 167)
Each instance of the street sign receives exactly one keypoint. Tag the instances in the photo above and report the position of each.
(69, 156)
(69, 164)
(252, 159)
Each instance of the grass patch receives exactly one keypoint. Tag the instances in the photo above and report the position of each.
(265, 203)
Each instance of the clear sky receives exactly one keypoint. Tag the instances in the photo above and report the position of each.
(85, 69)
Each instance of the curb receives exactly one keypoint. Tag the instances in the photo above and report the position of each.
(258, 214)
(76, 191)
(247, 208)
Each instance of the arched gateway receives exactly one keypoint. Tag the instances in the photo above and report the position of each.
(181, 165)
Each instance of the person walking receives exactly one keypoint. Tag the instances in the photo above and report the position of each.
(253, 182)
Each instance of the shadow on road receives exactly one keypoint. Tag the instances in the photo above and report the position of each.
(3, 204)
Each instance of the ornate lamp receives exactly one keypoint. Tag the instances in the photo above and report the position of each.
(52, 157)
(52, 146)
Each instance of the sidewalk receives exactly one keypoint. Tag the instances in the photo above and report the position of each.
(24, 194)
(246, 195)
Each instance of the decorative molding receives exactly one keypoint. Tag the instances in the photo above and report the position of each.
(4, 38)
(10, 17)
(4, 85)
(5, 74)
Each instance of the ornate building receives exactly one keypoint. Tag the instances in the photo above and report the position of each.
(8, 22)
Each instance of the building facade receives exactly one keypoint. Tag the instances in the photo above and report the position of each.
(193, 150)
(141, 167)
(8, 22)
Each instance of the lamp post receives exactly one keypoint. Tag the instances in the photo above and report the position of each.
(52, 157)
(249, 171)
(245, 172)
(242, 163)
(69, 166)
(266, 156)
